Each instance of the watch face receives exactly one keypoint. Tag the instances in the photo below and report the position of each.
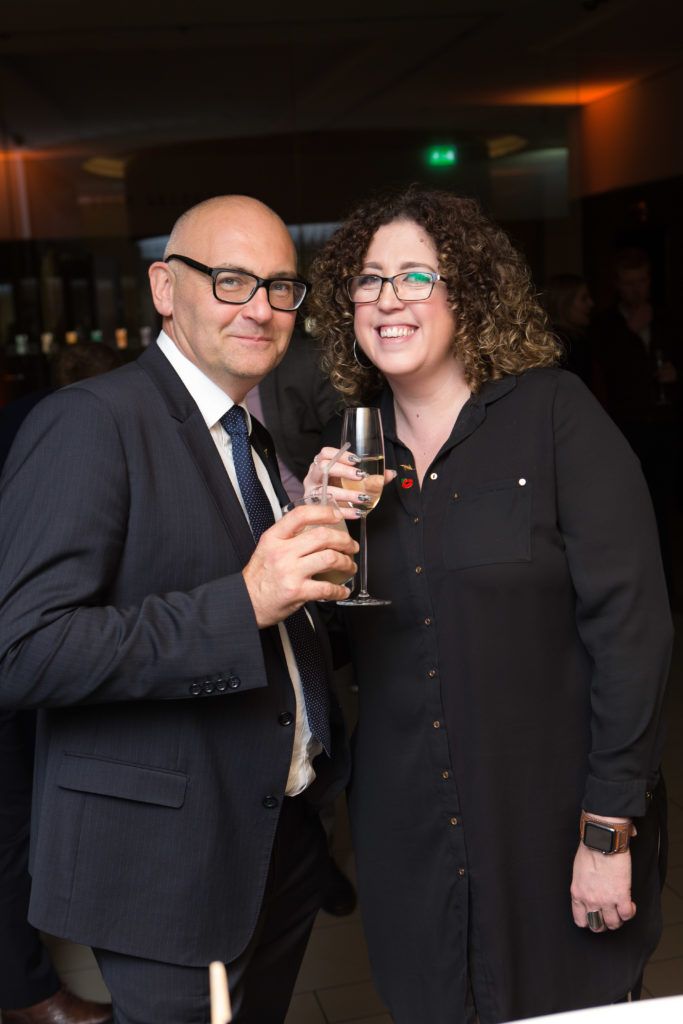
(598, 837)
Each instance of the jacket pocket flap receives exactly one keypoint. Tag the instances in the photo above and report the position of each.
(119, 779)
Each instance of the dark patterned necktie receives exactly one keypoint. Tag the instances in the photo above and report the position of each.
(302, 636)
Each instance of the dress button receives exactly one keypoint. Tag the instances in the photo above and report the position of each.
(418, 569)
(461, 872)
(416, 519)
(208, 686)
(454, 821)
(221, 685)
(456, 495)
(234, 682)
(437, 724)
(270, 802)
(445, 774)
(196, 689)
(431, 673)
(286, 718)
(521, 482)
(428, 621)
(433, 476)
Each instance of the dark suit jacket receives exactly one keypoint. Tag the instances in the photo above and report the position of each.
(163, 750)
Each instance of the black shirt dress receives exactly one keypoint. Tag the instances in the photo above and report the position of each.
(516, 677)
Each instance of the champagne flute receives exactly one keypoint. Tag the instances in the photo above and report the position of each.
(363, 431)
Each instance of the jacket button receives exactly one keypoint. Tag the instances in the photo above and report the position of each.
(432, 673)
(286, 718)
(234, 682)
(196, 689)
(270, 802)
(221, 685)
(209, 687)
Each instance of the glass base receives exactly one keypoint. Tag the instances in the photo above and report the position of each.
(362, 602)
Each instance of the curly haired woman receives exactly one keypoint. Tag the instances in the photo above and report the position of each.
(509, 742)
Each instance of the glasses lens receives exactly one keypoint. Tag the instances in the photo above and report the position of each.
(286, 294)
(416, 284)
(234, 286)
(365, 288)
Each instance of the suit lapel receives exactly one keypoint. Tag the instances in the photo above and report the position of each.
(196, 436)
(262, 443)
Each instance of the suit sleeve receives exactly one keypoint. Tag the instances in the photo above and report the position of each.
(622, 610)
(64, 498)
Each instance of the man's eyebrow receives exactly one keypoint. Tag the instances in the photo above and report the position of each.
(279, 274)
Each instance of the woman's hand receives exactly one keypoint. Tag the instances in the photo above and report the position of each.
(346, 467)
(602, 883)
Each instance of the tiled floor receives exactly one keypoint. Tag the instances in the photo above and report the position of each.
(334, 986)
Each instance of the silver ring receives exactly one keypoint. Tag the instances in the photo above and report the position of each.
(595, 920)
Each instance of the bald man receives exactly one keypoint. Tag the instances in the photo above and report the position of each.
(154, 607)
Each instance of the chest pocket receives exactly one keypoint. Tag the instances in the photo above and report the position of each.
(488, 524)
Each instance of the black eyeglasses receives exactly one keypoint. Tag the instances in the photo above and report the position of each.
(237, 286)
(411, 286)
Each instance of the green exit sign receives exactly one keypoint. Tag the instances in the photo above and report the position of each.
(442, 156)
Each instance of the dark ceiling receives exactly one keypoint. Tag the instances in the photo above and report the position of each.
(115, 78)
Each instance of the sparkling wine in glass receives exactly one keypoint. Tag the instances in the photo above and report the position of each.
(363, 430)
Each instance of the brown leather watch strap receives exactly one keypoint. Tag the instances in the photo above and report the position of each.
(619, 833)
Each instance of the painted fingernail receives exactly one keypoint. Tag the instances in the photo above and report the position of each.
(353, 458)
(360, 473)
(364, 497)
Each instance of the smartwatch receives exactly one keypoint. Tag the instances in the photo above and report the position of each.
(607, 839)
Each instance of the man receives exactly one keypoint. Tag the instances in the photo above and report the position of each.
(637, 349)
(154, 613)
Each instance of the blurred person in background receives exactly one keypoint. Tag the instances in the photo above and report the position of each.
(568, 303)
(637, 351)
(295, 401)
(30, 990)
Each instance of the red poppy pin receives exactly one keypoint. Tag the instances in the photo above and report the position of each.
(406, 483)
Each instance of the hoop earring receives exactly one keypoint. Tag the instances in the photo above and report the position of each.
(364, 366)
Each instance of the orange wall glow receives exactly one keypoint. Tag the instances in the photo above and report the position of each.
(571, 94)
(631, 136)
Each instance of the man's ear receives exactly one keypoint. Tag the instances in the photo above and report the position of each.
(161, 284)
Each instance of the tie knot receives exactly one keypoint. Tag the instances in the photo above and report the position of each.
(235, 421)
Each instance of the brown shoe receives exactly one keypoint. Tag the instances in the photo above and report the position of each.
(62, 1008)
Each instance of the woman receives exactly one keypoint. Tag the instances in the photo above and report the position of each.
(568, 303)
(516, 678)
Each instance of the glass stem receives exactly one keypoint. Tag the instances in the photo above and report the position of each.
(363, 592)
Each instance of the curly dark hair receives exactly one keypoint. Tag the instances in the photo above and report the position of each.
(501, 326)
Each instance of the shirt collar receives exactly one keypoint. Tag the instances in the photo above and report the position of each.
(212, 401)
(474, 407)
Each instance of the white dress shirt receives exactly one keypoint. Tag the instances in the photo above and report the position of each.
(213, 403)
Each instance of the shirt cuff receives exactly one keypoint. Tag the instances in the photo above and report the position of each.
(625, 799)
